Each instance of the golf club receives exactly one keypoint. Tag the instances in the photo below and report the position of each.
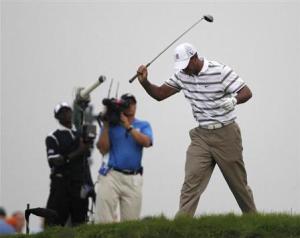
(207, 18)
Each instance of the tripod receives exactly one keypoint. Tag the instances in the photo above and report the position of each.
(41, 212)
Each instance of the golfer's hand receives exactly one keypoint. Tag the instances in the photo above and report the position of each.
(142, 73)
(228, 104)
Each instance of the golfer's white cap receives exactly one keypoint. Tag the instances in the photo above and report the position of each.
(182, 55)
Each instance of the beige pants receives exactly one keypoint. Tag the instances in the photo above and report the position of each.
(118, 190)
(223, 147)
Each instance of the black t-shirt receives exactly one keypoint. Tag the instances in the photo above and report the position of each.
(61, 143)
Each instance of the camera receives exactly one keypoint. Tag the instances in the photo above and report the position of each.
(114, 107)
(88, 133)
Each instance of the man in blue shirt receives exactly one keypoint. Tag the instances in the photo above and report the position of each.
(120, 183)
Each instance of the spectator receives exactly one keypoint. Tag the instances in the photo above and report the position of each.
(5, 228)
(17, 221)
(2, 213)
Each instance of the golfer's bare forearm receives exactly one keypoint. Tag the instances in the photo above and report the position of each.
(152, 90)
(243, 95)
(158, 92)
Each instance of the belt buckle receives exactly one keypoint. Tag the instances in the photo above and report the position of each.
(214, 126)
(127, 171)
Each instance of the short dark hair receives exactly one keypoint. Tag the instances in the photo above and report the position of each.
(128, 97)
(2, 212)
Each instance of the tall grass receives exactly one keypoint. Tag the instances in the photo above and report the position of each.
(208, 226)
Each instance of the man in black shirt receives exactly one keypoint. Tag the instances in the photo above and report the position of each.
(67, 158)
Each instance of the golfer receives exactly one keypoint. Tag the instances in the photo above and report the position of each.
(213, 90)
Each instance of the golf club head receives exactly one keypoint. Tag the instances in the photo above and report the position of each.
(208, 18)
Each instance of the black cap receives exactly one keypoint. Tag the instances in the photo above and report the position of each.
(2, 212)
(128, 96)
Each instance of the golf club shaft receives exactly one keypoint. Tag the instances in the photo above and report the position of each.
(147, 65)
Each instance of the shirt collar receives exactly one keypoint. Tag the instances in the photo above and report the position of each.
(71, 131)
(205, 66)
(63, 128)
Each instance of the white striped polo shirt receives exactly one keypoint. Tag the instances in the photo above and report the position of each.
(207, 90)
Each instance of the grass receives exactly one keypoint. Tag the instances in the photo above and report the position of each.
(208, 226)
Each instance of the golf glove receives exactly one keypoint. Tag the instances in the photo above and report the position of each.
(229, 103)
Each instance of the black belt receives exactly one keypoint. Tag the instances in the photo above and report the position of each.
(129, 172)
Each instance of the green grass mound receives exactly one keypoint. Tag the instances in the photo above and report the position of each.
(209, 226)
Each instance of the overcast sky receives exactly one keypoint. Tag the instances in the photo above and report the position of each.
(49, 48)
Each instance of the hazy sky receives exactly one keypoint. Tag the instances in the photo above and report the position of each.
(49, 48)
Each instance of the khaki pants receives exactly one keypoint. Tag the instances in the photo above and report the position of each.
(223, 147)
(118, 190)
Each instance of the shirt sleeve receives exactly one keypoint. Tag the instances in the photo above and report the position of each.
(52, 147)
(147, 130)
(174, 82)
(231, 81)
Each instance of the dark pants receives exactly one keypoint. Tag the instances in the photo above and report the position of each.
(65, 199)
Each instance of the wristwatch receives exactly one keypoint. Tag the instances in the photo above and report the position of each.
(129, 129)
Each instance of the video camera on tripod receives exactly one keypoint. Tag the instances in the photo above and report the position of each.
(88, 133)
(81, 117)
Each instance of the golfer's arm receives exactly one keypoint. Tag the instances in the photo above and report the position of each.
(158, 92)
(243, 95)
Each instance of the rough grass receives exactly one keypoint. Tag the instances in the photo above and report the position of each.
(208, 226)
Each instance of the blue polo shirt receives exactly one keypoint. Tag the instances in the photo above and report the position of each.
(125, 152)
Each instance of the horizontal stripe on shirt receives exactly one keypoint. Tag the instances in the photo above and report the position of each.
(203, 121)
(213, 116)
(207, 90)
